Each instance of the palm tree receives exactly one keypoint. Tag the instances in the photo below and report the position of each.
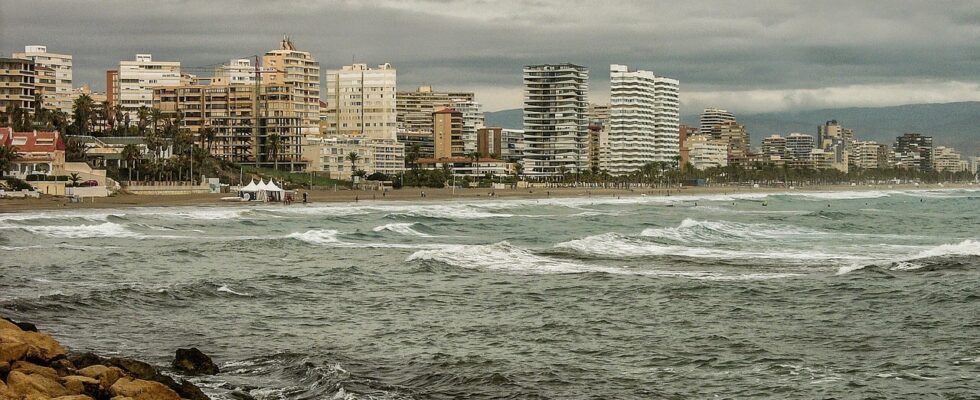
(130, 153)
(475, 156)
(7, 155)
(74, 178)
(518, 170)
(208, 135)
(83, 114)
(353, 157)
(273, 145)
(412, 158)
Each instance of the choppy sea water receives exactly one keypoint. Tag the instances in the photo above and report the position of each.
(797, 295)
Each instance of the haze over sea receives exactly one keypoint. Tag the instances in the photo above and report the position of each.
(795, 295)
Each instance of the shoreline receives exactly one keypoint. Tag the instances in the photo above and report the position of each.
(414, 194)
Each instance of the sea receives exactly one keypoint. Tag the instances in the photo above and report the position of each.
(848, 294)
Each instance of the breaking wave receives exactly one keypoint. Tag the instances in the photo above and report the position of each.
(691, 230)
(931, 258)
(401, 228)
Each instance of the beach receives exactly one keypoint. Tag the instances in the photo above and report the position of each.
(415, 195)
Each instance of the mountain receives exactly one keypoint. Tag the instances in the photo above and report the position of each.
(950, 124)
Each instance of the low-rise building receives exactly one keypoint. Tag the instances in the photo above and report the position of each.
(331, 155)
(466, 166)
(38, 153)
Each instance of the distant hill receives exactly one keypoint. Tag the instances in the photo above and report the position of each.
(951, 124)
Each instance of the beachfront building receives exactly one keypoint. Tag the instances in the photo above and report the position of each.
(38, 153)
(135, 80)
(331, 155)
(473, 121)
(774, 148)
(414, 108)
(237, 72)
(447, 133)
(705, 152)
(712, 117)
(361, 101)
(466, 167)
(223, 118)
(735, 137)
(512, 145)
(489, 142)
(870, 155)
(914, 150)
(299, 70)
(556, 128)
(55, 84)
(947, 159)
(16, 87)
(643, 120)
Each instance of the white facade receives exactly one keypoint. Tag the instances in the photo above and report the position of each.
(138, 78)
(712, 117)
(774, 147)
(512, 145)
(556, 125)
(703, 152)
(374, 155)
(61, 64)
(240, 71)
(643, 120)
(866, 155)
(473, 120)
(799, 146)
(947, 159)
(361, 101)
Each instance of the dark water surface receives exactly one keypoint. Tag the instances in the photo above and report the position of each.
(843, 295)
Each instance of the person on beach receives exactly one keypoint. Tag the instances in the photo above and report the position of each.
(306, 197)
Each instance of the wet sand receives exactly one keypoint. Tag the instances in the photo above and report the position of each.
(123, 200)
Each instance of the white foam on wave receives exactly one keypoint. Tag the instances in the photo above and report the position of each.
(505, 257)
(404, 228)
(226, 289)
(56, 246)
(967, 247)
(316, 236)
(708, 231)
(618, 245)
(104, 230)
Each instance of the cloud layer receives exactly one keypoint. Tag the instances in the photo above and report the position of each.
(745, 55)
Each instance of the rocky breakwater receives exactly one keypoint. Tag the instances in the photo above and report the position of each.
(34, 366)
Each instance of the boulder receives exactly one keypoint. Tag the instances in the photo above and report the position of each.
(73, 397)
(107, 376)
(40, 346)
(6, 393)
(140, 389)
(190, 391)
(10, 352)
(63, 367)
(135, 368)
(33, 369)
(24, 326)
(4, 370)
(34, 385)
(195, 362)
(77, 384)
(82, 360)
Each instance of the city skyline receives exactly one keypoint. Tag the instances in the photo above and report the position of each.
(744, 57)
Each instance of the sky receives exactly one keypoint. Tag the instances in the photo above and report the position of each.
(746, 56)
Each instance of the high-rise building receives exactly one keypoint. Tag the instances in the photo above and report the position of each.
(223, 118)
(868, 155)
(598, 136)
(112, 86)
(17, 80)
(489, 143)
(361, 101)
(288, 66)
(239, 71)
(56, 91)
(685, 132)
(447, 133)
(512, 145)
(415, 108)
(135, 81)
(556, 126)
(735, 137)
(913, 150)
(947, 159)
(705, 152)
(799, 146)
(774, 148)
(643, 120)
(712, 117)
(473, 121)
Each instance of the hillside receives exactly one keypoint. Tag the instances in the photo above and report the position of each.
(953, 124)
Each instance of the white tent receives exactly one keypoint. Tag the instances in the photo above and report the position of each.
(273, 192)
(250, 191)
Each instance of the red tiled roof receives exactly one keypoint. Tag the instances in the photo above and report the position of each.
(32, 142)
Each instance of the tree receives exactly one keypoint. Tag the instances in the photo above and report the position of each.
(74, 150)
(7, 155)
(208, 134)
(74, 178)
(83, 109)
(475, 156)
(273, 146)
(353, 157)
(130, 153)
(412, 158)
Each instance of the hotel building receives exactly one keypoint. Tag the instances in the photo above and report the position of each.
(643, 120)
(361, 101)
(556, 126)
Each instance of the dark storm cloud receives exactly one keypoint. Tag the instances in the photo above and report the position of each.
(772, 51)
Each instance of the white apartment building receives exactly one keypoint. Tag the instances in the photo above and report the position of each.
(799, 146)
(361, 101)
(289, 66)
(643, 120)
(705, 152)
(867, 155)
(374, 155)
(57, 84)
(238, 71)
(774, 147)
(473, 120)
(947, 159)
(712, 117)
(511, 145)
(556, 124)
(137, 79)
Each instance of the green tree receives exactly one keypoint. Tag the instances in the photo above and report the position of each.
(74, 178)
(82, 115)
(273, 146)
(130, 153)
(7, 156)
(353, 157)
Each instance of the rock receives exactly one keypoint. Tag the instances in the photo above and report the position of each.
(77, 384)
(36, 385)
(107, 376)
(6, 393)
(241, 395)
(4, 370)
(33, 369)
(190, 391)
(63, 366)
(10, 352)
(82, 360)
(40, 346)
(135, 368)
(73, 397)
(140, 389)
(121, 398)
(194, 361)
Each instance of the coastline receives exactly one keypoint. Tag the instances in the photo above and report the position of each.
(414, 194)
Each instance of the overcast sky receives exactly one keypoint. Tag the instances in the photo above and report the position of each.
(747, 56)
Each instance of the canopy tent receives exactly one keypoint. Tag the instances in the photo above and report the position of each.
(262, 191)
(273, 192)
(249, 192)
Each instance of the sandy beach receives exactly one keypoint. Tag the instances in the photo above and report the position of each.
(122, 200)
